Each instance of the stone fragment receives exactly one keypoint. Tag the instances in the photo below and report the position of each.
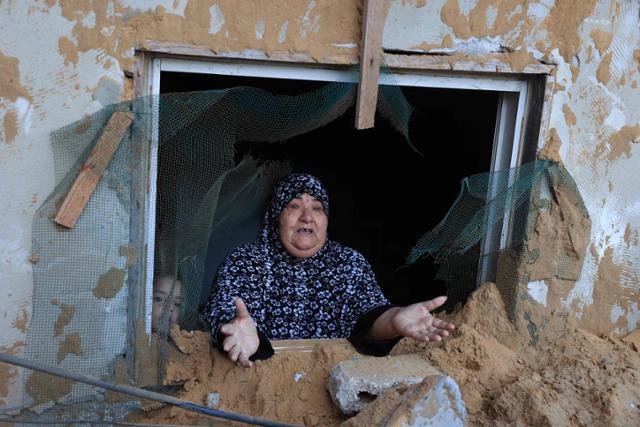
(355, 383)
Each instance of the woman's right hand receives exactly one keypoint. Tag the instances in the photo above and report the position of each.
(242, 336)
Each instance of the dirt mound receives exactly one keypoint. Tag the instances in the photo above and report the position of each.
(290, 387)
(580, 379)
(570, 377)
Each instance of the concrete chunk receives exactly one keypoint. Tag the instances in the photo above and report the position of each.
(435, 402)
(355, 383)
(213, 400)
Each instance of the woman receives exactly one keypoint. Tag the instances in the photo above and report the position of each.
(293, 282)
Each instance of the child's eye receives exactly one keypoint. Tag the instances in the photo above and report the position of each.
(158, 299)
(177, 304)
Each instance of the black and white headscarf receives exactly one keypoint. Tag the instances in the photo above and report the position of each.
(322, 296)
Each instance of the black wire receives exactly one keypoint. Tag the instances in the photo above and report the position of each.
(138, 392)
(91, 422)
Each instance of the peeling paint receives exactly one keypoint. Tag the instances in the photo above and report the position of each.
(630, 236)
(10, 86)
(551, 150)
(217, 19)
(130, 253)
(72, 344)
(416, 3)
(8, 373)
(444, 46)
(10, 126)
(620, 142)
(223, 25)
(44, 388)
(509, 15)
(68, 50)
(109, 283)
(282, 35)
(604, 69)
(569, 117)
(67, 311)
(108, 91)
(309, 23)
(609, 292)
(538, 11)
(89, 20)
(477, 46)
(492, 14)
(520, 59)
(601, 39)
(24, 115)
(21, 322)
(260, 28)
(563, 24)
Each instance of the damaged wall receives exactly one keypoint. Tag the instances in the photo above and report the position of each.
(63, 59)
(592, 127)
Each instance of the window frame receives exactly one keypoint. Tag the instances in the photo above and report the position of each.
(522, 108)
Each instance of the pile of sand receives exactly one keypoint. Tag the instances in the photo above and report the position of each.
(568, 378)
(290, 387)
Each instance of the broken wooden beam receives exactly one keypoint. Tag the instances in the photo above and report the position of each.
(92, 170)
(370, 55)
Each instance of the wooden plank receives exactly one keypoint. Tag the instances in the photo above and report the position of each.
(451, 63)
(533, 117)
(137, 337)
(171, 49)
(370, 55)
(92, 170)
(395, 59)
(308, 345)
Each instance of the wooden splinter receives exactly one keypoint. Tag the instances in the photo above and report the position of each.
(92, 170)
(370, 55)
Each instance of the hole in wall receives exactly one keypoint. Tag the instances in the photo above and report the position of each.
(383, 195)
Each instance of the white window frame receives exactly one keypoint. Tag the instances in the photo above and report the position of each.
(507, 145)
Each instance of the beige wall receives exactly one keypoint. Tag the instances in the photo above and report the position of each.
(61, 60)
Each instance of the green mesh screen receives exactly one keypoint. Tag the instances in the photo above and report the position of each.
(491, 234)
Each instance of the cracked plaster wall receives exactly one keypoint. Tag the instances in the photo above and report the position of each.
(593, 126)
(63, 59)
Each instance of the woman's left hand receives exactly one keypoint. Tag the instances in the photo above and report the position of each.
(415, 321)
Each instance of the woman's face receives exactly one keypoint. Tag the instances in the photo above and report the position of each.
(303, 226)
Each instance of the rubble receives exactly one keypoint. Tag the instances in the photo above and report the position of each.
(354, 383)
(436, 401)
(569, 377)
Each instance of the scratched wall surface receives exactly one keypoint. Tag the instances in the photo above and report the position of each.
(593, 125)
(63, 59)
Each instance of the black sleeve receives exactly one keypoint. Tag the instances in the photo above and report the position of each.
(265, 349)
(360, 335)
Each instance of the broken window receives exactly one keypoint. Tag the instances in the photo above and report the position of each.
(190, 178)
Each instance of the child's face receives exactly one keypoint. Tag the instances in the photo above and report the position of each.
(161, 291)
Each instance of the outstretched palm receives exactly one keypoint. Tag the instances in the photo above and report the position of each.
(242, 336)
(415, 321)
